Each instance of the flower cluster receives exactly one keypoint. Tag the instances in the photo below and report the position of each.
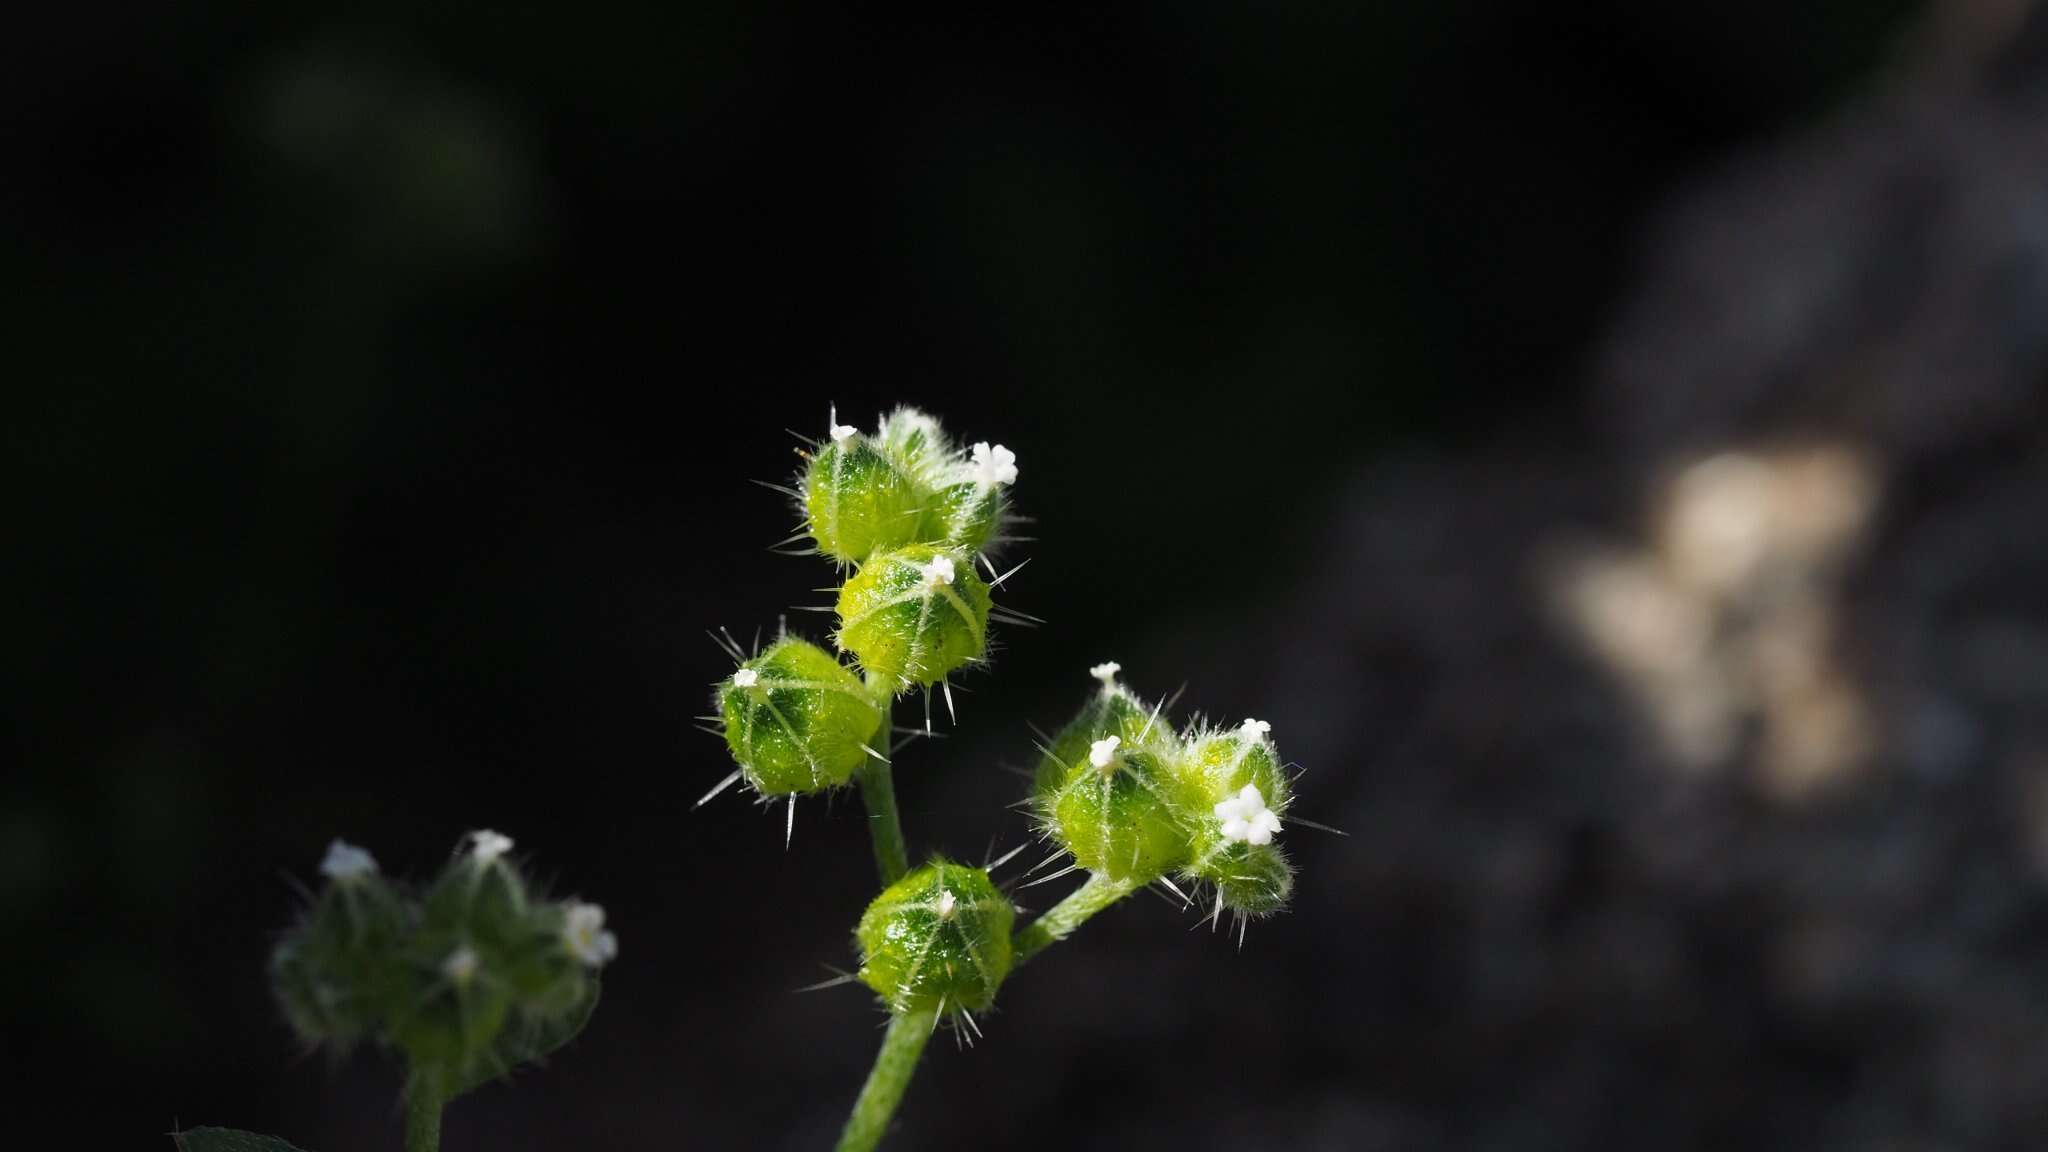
(911, 513)
(1135, 801)
(468, 978)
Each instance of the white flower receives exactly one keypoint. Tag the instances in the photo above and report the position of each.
(583, 932)
(345, 861)
(947, 902)
(939, 571)
(1106, 672)
(994, 465)
(461, 965)
(1256, 729)
(840, 432)
(486, 845)
(1245, 817)
(745, 678)
(1102, 753)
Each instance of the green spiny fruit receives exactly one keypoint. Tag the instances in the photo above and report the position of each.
(489, 967)
(917, 445)
(914, 615)
(859, 499)
(1114, 812)
(334, 974)
(1218, 765)
(1232, 783)
(967, 510)
(1113, 711)
(796, 719)
(937, 940)
(1250, 879)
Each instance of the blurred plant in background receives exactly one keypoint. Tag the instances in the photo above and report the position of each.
(465, 981)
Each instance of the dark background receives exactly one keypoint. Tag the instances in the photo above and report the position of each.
(385, 389)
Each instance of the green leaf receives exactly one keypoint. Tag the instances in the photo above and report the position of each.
(527, 1043)
(227, 1140)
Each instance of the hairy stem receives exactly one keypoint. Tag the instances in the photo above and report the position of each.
(878, 792)
(895, 1064)
(1062, 918)
(423, 1101)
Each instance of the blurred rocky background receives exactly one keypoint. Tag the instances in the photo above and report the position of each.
(1608, 445)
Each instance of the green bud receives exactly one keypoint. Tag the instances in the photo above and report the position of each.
(1232, 783)
(1113, 711)
(964, 516)
(796, 719)
(858, 499)
(498, 977)
(916, 444)
(1114, 812)
(1219, 764)
(1250, 879)
(937, 940)
(334, 973)
(914, 615)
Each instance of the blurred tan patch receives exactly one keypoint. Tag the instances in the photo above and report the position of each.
(1725, 622)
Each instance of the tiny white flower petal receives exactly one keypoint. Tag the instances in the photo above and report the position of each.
(486, 845)
(843, 432)
(1246, 817)
(345, 861)
(1255, 729)
(583, 932)
(745, 678)
(939, 571)
(1106, 672)
(1102, 753)
(947, 902)
(461, 965)
(993, 465)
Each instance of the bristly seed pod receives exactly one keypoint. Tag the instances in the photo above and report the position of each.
(334, 974)
(938, 940)
(1113, 711)
(1231, 769)
(907, 484)
(1115, 813)
(797, 720)
(1250, 879)
(914, 615)
(859, 498)
(968, 509)
(1233, 784)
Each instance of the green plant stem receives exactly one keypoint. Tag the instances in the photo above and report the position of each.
(423, 1102)
(878, 792)
(1062, 918)
(895, 1064)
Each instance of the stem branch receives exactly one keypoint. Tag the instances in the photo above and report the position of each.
(1062, 918)
(895, 1064)
(423, 1102)
(878, 792)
